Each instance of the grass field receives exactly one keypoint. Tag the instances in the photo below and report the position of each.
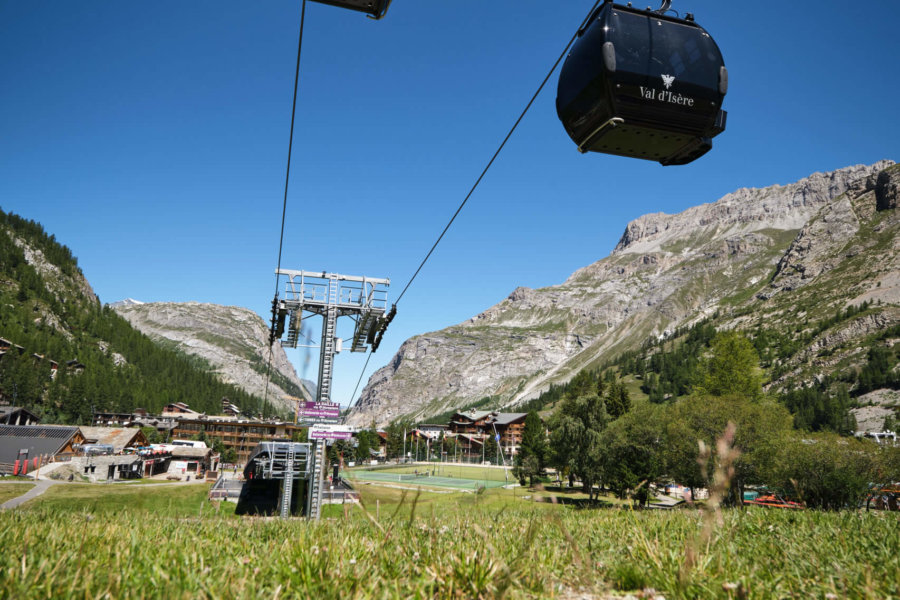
(435, 475)
(8, 491)
(473, 472)
(76, 543)
(186, 500)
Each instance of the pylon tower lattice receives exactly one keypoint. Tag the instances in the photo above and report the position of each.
(331, 296)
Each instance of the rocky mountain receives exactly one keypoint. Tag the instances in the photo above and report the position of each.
(233, 341)
(781, 255)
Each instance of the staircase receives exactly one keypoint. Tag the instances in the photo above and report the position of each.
(287, 490)
(314, 502)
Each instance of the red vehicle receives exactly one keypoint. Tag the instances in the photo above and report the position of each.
(773, 501)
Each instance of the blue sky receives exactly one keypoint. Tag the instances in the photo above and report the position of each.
(151, 138)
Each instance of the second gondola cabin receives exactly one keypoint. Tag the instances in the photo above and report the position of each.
(643, 84)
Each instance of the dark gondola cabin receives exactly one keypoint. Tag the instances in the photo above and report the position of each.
(643, 84)
(374, 8)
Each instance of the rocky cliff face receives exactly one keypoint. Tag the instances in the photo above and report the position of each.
(750, 253)
(234, 341)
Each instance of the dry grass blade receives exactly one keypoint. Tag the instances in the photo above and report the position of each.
(726, 455)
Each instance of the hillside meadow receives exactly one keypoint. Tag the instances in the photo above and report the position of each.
(139, 542)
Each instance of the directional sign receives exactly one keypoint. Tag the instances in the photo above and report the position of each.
(331, 432)
(319, 421)
(319, 409)
(322, 434)
(311, 413)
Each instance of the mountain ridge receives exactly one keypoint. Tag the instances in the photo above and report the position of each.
(232, 339)
(666, 271)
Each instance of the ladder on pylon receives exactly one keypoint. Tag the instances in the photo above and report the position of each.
(326, 361)
(316, 483)
(287, 490)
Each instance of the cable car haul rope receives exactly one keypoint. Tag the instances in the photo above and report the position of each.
(637, 83)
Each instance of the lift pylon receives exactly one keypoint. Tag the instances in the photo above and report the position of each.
(331, 296)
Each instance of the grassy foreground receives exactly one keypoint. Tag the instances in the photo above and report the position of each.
(8, 491)
(440, 545)
(179, 500)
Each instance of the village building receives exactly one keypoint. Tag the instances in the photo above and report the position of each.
(241, 435)
(7, 346)
(36, 444)
(472, 422)
(119, 438)
(111, 419)
(510, 427)
(179, 409)
(472, 428)
(229, 409)
(431, 431)
(75, 367)
(16, 415)
(191, 460)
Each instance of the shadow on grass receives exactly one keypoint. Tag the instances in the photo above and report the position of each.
(573, 497)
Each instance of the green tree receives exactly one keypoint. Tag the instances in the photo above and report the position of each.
(395, 442)
(632, 452)
(575, 438)
(617, 399)
(152, 435)
(732, 369)
(491, 449)
(451, 447)
(365, 440)
(828, 471)
(762, 429)
(532, 454)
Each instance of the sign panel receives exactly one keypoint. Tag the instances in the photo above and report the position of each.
(331, 432)
(324, 434)
(319, 410)
(318, 421)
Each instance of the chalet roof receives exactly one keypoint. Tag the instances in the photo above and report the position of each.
(117, 437)
(38, 439)
(189, 452)
(507, 418)
(8, 411)
(472, 415)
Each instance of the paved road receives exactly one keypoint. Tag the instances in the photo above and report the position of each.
(39, 488)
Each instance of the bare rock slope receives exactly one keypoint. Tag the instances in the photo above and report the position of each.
(233, 340)
(754, 252)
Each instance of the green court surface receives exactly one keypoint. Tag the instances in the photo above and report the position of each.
(460, 471)
(424, 478)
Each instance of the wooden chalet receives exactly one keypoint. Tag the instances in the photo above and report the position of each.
(41, 442)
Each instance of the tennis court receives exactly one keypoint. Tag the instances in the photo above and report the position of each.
(423, 478)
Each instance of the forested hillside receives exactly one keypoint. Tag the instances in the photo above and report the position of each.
(48, 312)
